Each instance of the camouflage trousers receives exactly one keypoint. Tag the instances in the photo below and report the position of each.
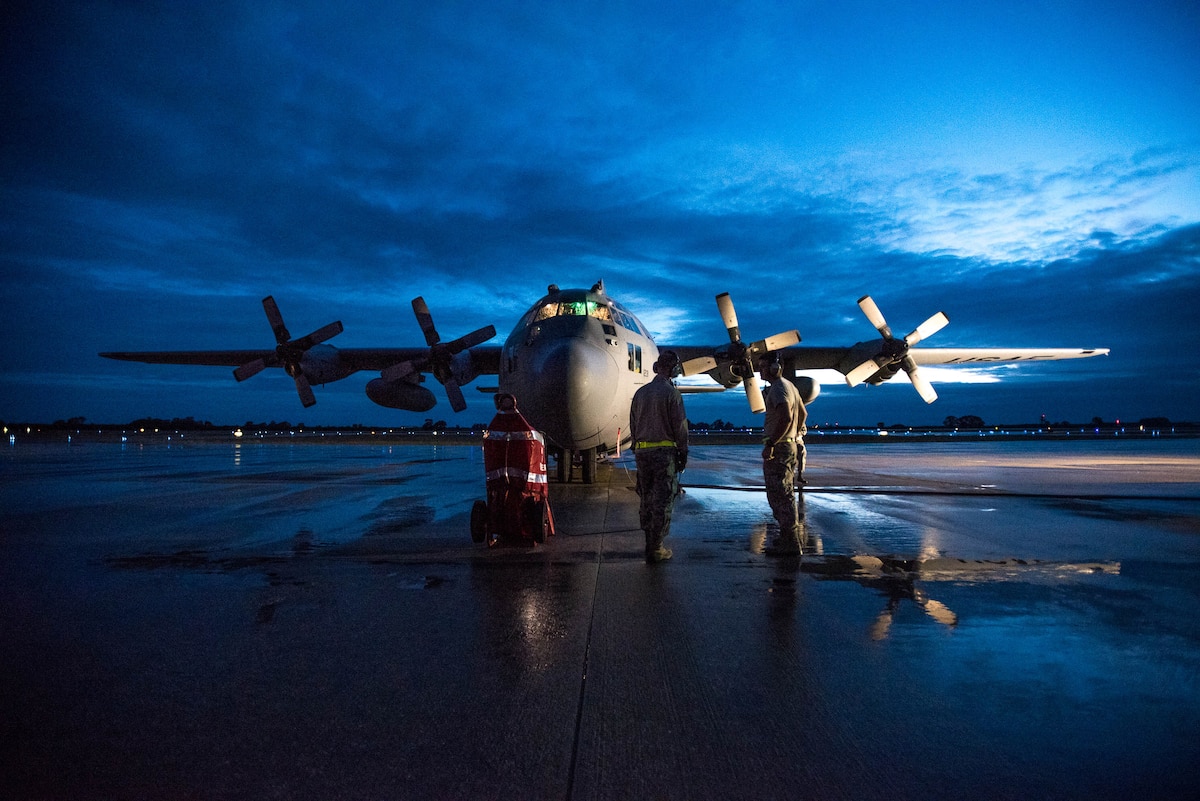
(779, 472)
(657, 485)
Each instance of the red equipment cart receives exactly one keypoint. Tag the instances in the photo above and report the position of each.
(517, 509)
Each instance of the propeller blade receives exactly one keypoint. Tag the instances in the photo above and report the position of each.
(288, 353)
(919, 382)
(250, 369)
(441, 357)
(741, 357)
(862, 372)
(928, 328)
(425, 320)
(874, 315)
(304, 390)
(754, 395)
(318, 336)
(728, 316)
(457, 402)
(894, 350)
(701, 364)
(276, 320)
(782, 340)
(472, 339)
(398, 371)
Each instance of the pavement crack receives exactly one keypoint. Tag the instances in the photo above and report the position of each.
(587, 652)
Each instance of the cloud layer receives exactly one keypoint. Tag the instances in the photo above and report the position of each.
(164, 169)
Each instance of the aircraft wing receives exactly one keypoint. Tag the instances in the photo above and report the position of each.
(802, 357)
(487, 359)
(212, 358)
(400, 368)
(870, 362)
(992, 355)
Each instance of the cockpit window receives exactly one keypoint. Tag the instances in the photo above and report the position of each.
(608, 312)
(572, 308)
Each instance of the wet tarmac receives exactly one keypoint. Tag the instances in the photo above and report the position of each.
(268, 620)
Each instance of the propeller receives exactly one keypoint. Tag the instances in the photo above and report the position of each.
(289, 353)
(440, 359)
(740, 355)
(896, 350)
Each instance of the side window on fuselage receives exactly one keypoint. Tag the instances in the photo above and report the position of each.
(635, 358)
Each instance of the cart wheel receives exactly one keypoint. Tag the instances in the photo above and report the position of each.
(541, 521)
(479, 521)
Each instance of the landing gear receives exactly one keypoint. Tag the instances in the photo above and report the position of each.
(562, 462)
(565, 464)
(587, 459)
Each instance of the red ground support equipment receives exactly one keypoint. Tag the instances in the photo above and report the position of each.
(518, 503)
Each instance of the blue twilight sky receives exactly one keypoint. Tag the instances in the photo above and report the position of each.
(1030, 168)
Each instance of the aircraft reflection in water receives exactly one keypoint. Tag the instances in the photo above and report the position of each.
(575, 359)
(899, 579)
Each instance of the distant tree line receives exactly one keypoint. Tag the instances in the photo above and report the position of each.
(175, 423)
(715, 425)
(966, 421)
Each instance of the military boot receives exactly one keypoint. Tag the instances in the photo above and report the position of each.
(784, 545)
(655, 552)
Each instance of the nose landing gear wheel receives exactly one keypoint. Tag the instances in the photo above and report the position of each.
(588, 460)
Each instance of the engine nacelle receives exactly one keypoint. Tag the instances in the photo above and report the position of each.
(809, 388)
(321, 364)
(725, 376)
(886, 373)
(401, 394)
(877, 349)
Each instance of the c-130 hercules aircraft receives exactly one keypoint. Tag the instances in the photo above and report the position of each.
(574, 360)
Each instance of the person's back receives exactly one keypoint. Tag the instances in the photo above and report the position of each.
(657, 414)
(658, 426)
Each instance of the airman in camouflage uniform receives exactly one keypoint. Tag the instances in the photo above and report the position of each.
(783, 451)
(658, 426)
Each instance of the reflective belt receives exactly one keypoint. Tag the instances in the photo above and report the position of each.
(508, 436)
(666, 443)
(513, 472)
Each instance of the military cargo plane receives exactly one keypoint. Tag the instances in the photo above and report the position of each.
(576, 357)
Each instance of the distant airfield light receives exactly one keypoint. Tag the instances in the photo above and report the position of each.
(237, 432)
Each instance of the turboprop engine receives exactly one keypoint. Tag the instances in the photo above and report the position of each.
(809, 388)
(401, 393)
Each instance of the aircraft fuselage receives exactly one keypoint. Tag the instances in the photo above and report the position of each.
(573, 363)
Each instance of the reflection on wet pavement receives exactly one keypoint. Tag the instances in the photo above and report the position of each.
(962, 623)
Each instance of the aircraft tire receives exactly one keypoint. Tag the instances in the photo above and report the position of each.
(588, 462)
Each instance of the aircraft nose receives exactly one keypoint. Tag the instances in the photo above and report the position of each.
(578, 381)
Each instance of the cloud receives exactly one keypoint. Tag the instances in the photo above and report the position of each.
(164, 169)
